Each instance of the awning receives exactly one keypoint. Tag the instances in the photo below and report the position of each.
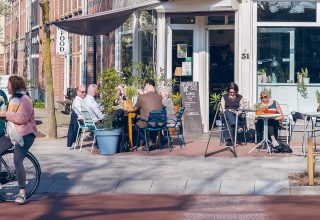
(101, 23)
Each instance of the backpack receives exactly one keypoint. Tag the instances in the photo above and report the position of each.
(282, 148)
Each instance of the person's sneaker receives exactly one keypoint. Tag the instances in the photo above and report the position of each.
(145, 148)
(21, 199)
(275, 144)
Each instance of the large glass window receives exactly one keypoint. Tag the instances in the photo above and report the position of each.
(221, 20)
(287, 11)
(147, 47)
(282, 52)
(183, 20)
(126, 52)
(182, 56)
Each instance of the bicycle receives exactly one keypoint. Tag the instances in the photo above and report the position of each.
(9, 187)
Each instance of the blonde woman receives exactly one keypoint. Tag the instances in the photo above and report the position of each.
(270, 106)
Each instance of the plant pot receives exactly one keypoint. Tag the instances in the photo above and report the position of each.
(108, 141)
(176, 108)
(259, 112)
(306, 80)
(127, 104)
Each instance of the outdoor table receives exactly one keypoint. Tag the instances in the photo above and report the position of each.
(308, 114)
(265, 141)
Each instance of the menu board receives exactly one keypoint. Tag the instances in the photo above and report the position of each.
(192, 114)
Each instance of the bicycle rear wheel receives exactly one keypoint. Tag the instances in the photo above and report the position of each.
(9, 187)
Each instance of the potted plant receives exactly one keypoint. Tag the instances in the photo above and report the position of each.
(176, 99)
(215, 100)
(261, 74)
(130, 93)
(107, 136)
(318, 100)
(259, 108)
(302, 78)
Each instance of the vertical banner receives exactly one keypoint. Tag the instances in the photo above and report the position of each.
(62, 46)
(192, 114)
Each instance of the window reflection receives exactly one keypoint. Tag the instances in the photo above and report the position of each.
(147, 47)
(282, 52)
(301, 11)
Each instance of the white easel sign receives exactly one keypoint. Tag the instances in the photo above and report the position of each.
(62, 46)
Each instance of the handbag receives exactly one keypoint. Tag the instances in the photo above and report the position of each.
(5, 142)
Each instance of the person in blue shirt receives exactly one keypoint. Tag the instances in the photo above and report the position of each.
(3, 106)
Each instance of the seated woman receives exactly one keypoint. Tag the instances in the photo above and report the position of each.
(270, 106)
(230, 103)
(164, 91)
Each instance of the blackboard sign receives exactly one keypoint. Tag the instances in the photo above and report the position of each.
(192, 114)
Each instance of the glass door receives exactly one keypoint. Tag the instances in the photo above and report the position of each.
(182, 57)
(221, 61)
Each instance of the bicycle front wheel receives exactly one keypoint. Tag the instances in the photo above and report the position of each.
(9, 187)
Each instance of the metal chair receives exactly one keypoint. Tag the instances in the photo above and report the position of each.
(224, 131)
(156, 122)
(285, 124)
(86, 125)
(297, 116)
(176, 125)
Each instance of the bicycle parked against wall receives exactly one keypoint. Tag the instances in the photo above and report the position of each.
(9, 187)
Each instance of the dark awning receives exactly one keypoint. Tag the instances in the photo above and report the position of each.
(101, 23)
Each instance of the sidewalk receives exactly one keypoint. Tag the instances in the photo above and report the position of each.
(182, 171)
(75, 172)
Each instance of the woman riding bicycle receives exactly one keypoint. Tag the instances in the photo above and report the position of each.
(20, 114)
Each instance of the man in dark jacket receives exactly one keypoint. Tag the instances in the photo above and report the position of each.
(148, 101)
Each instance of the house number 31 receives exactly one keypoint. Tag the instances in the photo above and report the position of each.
(245, 56)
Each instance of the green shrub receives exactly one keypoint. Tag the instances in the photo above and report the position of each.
(37, 103)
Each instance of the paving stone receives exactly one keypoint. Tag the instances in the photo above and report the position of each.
(100, 186)
(272, 187)
(44, 185)
(237, 187)
(164, 186)
(134, 186)
(203, 187)
(65, 186)
(305, 190)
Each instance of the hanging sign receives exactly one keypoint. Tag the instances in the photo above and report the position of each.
(62, 46)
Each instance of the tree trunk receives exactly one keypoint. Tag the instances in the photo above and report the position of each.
(52, 126)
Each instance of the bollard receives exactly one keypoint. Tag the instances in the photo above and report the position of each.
(310, 163)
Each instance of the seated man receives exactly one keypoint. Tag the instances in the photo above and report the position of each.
(75, 114)
(90, 104)
(147, 102)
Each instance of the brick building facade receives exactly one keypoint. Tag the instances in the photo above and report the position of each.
(80, 66)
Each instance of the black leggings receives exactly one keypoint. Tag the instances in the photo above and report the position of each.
(19, 154)
(273, 126)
